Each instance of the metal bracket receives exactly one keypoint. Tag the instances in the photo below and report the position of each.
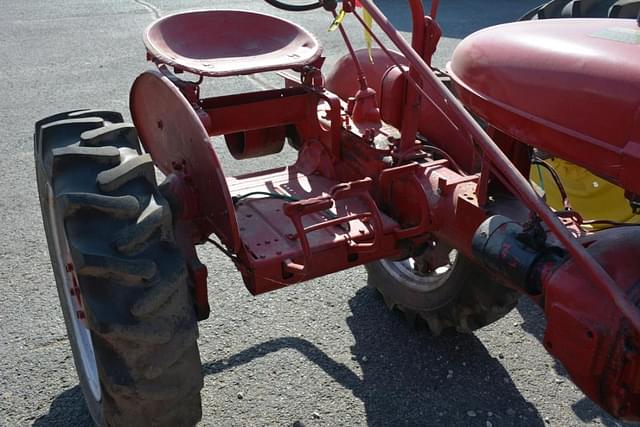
(296, 210)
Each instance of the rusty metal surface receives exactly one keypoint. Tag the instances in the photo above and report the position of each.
(369, 395)
(172, 133)
(583, 320)
(422, 195)
(270, 237)
(457, 114)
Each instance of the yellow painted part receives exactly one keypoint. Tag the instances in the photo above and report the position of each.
(368, 20)
(591, 196)
(337, 21)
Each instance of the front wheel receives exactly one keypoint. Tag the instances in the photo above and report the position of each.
(454, 295)
(122, 282)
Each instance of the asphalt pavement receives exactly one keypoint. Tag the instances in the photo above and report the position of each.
(325, 352)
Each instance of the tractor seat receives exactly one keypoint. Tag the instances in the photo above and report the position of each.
(219, 43)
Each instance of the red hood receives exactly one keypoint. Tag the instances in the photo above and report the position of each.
(557, 83)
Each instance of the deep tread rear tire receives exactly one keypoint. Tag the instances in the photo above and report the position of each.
(117, 234)
(584, 9)
(465, 300)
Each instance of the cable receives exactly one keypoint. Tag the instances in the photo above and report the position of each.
(557, 180)
(540, 176)
(609, 223)
(222, 249)
(295, 7)
(278, 196)
(268, 195)
(567, 205)
(425, 145)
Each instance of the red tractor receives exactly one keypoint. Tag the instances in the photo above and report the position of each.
(428, 190)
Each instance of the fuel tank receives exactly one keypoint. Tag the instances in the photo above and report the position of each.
(568, 87)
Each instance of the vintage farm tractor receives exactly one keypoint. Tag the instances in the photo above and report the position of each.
(393, 172)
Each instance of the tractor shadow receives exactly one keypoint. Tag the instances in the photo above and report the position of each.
(67, 409)
(535, 324)
(408, 377)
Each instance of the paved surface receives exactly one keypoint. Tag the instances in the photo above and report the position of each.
(322, 353)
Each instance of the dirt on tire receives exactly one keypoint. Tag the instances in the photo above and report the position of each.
(110, 232)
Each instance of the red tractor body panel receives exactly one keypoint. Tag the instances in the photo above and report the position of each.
(583, 320)
(571, 88)
(362, 190)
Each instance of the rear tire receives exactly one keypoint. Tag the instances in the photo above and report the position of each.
(584, 9)
(460, 299)
(122, 282)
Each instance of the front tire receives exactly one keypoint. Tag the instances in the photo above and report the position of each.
(122, 282)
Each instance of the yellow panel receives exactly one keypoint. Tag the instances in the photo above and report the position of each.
(590, 195)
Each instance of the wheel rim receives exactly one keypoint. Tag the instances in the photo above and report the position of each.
(408, 272)
(81, 335)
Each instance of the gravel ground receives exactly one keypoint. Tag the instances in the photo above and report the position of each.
(322, 353)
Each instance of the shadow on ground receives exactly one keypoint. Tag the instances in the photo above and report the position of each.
(408, 377)
(67, 409)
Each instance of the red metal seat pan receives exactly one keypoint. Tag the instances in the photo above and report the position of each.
(221, 43)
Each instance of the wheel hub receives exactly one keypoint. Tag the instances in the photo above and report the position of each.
(427, 271)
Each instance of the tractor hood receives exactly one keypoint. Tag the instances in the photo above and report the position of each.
(569, 87)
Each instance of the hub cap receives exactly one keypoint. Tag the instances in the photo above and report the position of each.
(417, 274)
